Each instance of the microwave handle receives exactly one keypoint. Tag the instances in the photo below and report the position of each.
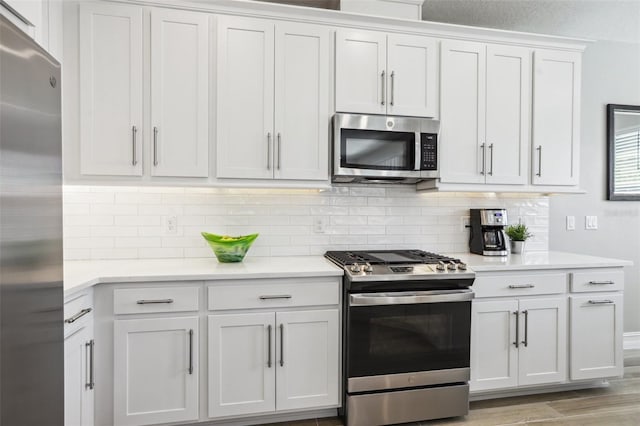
(418, 152)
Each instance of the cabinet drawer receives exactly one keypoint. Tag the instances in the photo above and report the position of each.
(234, 295)
(155, 299)
(520, 285)
(597, 280)
(77, 311)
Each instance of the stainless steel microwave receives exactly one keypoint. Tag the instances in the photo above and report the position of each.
(384, 149)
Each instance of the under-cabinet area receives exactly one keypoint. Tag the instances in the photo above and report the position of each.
(249, 344)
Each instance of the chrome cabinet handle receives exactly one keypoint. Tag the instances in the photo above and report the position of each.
(600, 302)
(484, 157)
(269, 151)
(393, 86)
(491, 160)
(281, 345)
(539, 149)
(155, 146)
(279, 149)
(521, 286)
(134, 131)
(191, 351)
(269, 346)
(525, 342)
(601, 282)
(275, 296)
(77, 316)
(89, 346)
(516, 313)
(383, 88)
(152, 301)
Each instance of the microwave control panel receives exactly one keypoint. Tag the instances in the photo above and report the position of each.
(429, 145)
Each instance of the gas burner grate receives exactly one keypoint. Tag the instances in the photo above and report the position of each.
(344, 258)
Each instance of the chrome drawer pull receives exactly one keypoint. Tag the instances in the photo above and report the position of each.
(90, 346)
(275, 296)
(269, 346)
(191, 351)
(521, 286)
(281, 345)
(601, 282)
(517, 314)
(77, 316)
(600, 302)
(152, 301)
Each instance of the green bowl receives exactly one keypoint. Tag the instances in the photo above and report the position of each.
(229, 249)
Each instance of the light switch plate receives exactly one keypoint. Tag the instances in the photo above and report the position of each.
(571, 223)
(591, 222)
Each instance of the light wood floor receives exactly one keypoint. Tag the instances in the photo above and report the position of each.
(615, 405)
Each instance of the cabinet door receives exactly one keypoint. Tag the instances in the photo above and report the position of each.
(179, 93)
(307, 359)
(411, 63)
(78, 393)
(110, 89)
(242, 364)
(508, 114)
(155, 370)
(462, 112)
(245, 86)
(494, 357)
(302, 101)
(361, 75)
(542, 355)
(556, 118)
(596, 336)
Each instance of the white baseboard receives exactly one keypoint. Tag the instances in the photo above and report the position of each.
(631, 340)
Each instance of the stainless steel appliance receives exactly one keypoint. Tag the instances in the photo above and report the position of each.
(378, 148)
(487, 236)
(31, 292)
(406, 336)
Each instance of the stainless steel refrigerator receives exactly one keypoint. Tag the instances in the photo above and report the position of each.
(31, 292)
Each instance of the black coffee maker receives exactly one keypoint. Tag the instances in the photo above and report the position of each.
(487, 232)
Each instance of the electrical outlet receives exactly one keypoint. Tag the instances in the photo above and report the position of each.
(591, 222)
(571, 223)
(465, 223)
(171, 225)
(319, 225)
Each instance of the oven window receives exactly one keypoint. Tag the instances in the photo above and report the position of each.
(371, 149)
(393, 339)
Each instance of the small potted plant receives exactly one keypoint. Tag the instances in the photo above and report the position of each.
(518, 234)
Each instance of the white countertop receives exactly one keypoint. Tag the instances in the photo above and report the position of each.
(537, 260)
(80, 274)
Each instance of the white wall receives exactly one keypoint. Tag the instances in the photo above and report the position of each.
(611, 74)
(105, 222)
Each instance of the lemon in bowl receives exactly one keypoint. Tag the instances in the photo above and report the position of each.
(229, 249)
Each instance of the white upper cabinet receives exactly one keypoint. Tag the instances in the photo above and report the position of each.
(179, 93)
(462, 112)
(245, 77)
(485, 113)
(273, 107)
(556, 118)
(301, 101)
(378, 73)
(110, 89)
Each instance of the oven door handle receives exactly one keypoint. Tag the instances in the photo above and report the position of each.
(410, 298)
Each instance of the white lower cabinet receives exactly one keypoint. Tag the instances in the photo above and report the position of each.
(78, 378)
(596, 335)
(155, 370)
(273, 361)
(518, 342)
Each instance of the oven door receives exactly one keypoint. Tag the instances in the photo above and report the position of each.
(407, 339)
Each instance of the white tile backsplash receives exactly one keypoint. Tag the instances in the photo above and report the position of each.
(106, 222)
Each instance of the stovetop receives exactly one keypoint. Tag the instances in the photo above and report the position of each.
(422, 268)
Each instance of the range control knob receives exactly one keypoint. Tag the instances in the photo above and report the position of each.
(452, 266)
(354, 268)
(441, 266)
(367, 267)
(462, 266)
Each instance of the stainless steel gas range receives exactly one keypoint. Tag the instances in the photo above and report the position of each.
(406, 336)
